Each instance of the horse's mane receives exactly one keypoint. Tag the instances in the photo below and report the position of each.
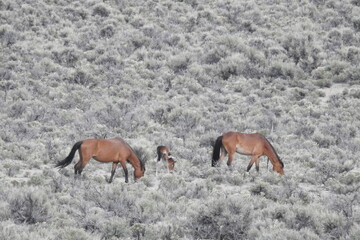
(277, 156)
(139, 153)
(142, 165)
(136, 153)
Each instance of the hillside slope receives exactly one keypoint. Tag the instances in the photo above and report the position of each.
(180, 73)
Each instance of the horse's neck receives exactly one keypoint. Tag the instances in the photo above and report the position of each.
(135, 161)
(270, 153)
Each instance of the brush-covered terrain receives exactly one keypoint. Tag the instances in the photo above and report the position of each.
(180, 73)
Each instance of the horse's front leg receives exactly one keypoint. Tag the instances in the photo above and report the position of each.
(165, 163)
(113, 170)
(123, 164)
(252, 161)
(257, 162)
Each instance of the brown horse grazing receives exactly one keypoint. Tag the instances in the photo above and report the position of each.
(163, 153)
(114, 150)
(253, 144)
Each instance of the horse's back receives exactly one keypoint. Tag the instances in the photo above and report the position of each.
(117, 144)
(244, 143)
(106, 149)
(230, 137)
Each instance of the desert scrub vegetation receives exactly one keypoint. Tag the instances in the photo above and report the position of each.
(180, 73)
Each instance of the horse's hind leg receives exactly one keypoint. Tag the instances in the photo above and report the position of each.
(80, 165)
(230, 159)
(114, 166)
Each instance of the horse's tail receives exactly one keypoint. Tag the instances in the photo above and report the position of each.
(216, 151)
(70, 157)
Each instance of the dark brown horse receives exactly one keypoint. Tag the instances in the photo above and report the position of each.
(164, 154)
(254, 144)
(114, 150)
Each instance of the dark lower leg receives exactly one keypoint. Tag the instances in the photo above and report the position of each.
(78, 168)
(249, 166)
(126, 175)
(253, 160)
(123, 164)
(113, 170)
(257, 164)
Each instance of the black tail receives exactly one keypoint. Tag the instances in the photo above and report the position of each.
(70, 157)
(216, 151)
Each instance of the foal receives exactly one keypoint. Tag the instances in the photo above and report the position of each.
(164, 154)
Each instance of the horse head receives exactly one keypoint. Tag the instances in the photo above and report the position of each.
(171, 164)
(279, 168)
(139, 172)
